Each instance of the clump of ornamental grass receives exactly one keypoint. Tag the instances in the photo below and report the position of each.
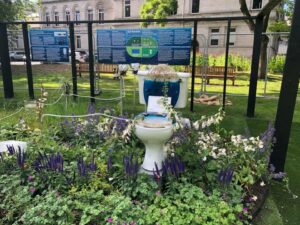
(163, 73)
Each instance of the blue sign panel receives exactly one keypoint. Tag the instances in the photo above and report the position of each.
(146, 46)
(49, 45)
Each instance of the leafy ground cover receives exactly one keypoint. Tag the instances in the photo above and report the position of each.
(281, 207)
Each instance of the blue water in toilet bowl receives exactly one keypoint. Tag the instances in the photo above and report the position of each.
(155, 88)
(158, 118)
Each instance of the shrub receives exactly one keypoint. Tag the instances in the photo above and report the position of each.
(239, 62)
(276, 64)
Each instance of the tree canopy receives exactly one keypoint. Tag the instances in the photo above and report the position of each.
(283, 25)
(158, 9)
(12, 10)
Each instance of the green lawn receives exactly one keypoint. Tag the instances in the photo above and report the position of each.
(280, 207)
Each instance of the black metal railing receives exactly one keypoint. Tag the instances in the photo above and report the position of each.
(6, 67)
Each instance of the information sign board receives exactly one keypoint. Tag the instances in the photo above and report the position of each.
(146, 46)
(51, 45)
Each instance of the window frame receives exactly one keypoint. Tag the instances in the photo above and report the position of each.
(100, 14)
(47, 18)
(127, 4)
(252, 5)
(90, 14)
(56, 17)
(213, 37)
(232, 36)
(193, 7)
(77, 16)
(78, 41)
(68, 15)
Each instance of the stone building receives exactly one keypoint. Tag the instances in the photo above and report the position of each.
(211, 34)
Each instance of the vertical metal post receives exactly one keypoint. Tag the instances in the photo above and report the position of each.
(226, 62)
(73, 60)
(288, 94)
(28, 60)
(91, 61)
(254, 66)
(5, 63)
(194, 65)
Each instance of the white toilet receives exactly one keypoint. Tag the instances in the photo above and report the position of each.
(15, 144)
(155, 130)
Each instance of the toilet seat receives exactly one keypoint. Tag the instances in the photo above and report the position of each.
(156, 114)
(155, 121)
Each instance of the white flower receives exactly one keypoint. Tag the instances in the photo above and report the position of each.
(222, 151)
(260, 144)
(204, 159)
(262, 184)
(213, 155)
(254, 198)
(196, 125)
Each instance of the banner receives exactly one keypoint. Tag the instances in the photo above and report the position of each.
(51, 45)
(146, 46)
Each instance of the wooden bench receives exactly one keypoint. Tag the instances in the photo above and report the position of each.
(99, 68)
(213, 72)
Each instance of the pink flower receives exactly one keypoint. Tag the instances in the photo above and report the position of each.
(132, 223)
(32, 190)
(110, 220)
(30, 178)
(245, 209)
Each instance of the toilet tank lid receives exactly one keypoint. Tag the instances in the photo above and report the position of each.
(180, 74)
(183, 75)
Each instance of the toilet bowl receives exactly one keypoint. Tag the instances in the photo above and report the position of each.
(154, 131)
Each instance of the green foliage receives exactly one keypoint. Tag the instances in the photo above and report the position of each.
(158, 9)
(49, 209)
(113, 195)
(239, 62)
(14, 10)
(279, 26)
(276, 64)
(187, 204)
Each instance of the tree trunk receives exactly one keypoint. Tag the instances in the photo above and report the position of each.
(264, 49)
(263, 57)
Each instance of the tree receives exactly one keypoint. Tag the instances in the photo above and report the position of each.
(158, 9)
(283, 25)
(13, 10)
(265, 14)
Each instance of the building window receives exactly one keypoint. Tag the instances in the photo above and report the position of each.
(47, 18)
(101, 14)
(232, 38)
(90, 15)
(195, 6)
(256, 4)
(56, 18)
(68, 15)
(175, 8)
(78, 42)
(77, 16)
(214, 36)
(127, 8)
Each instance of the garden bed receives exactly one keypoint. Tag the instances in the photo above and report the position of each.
(87, 172)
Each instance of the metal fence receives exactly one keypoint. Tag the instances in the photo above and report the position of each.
(6, 66)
